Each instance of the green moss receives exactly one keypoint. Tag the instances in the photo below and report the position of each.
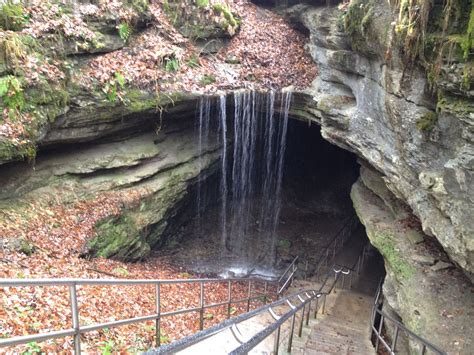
(12, 16)
(118, 238)
(228, 15)
(427, 121)
(357, 21)
(456, 105)
(386, 244)
(467, 43)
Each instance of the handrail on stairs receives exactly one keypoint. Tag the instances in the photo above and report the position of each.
(289, 273)
(328, 253)
(391, 345)
(297, 302)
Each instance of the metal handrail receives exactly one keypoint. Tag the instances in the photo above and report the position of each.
(227, 324)
(288, 269)
(324, 256)
(337, 242)
(305, 298)
(392, 347)
(76, 329)
(292, 269)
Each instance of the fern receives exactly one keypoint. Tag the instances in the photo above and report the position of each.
(125, 31)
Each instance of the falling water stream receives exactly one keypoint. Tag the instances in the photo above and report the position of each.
(251, 170)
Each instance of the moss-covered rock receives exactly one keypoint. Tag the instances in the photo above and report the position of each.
(201, 20)
(412, 286)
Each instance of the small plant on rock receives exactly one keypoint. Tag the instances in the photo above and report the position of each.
(11, 94)
(125, 31)
(171, 64)
(207, 79)
(113, 89)
(12, 16)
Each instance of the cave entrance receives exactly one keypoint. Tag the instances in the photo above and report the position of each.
(287, 193)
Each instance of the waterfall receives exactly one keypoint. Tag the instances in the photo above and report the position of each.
(203, 143)
(251, 178)
(223, 184)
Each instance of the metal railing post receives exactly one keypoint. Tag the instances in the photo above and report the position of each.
(324, 304)
(249, 295)
(201, 311)
(379, 335)
(265, 290)
(306, 270)
(300, 330)
(290, 339)
(276, 345)
(229, 298)
(395, 339)
(316, 309)
(309, 312)
(75, 319)
(158, 314)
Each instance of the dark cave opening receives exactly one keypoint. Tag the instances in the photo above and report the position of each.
(315, 203)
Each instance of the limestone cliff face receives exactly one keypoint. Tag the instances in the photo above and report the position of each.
(417, 154)
(384, 112)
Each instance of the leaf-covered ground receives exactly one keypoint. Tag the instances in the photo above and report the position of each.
(58, 233)
(264, 50)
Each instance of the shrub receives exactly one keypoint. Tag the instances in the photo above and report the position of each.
(12, 16)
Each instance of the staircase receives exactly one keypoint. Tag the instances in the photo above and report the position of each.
(343, 328)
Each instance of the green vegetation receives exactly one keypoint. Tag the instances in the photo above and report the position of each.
(193, 62)
(12, 16)
(207, 79)
(386, 245)
(33, 348)
(427, 122)
(230, 20)
(139, 5)
(467, 42)
(11, 94)
(356, 24)
(172, 64)
(118, 238)
(164, 339)
(202, 3)
(13, 48)
(114, 86)
(125, 31)
(107, 347)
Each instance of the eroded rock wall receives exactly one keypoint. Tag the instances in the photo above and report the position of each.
(373, 107)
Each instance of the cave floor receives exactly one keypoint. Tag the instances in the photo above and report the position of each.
(301, 232)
